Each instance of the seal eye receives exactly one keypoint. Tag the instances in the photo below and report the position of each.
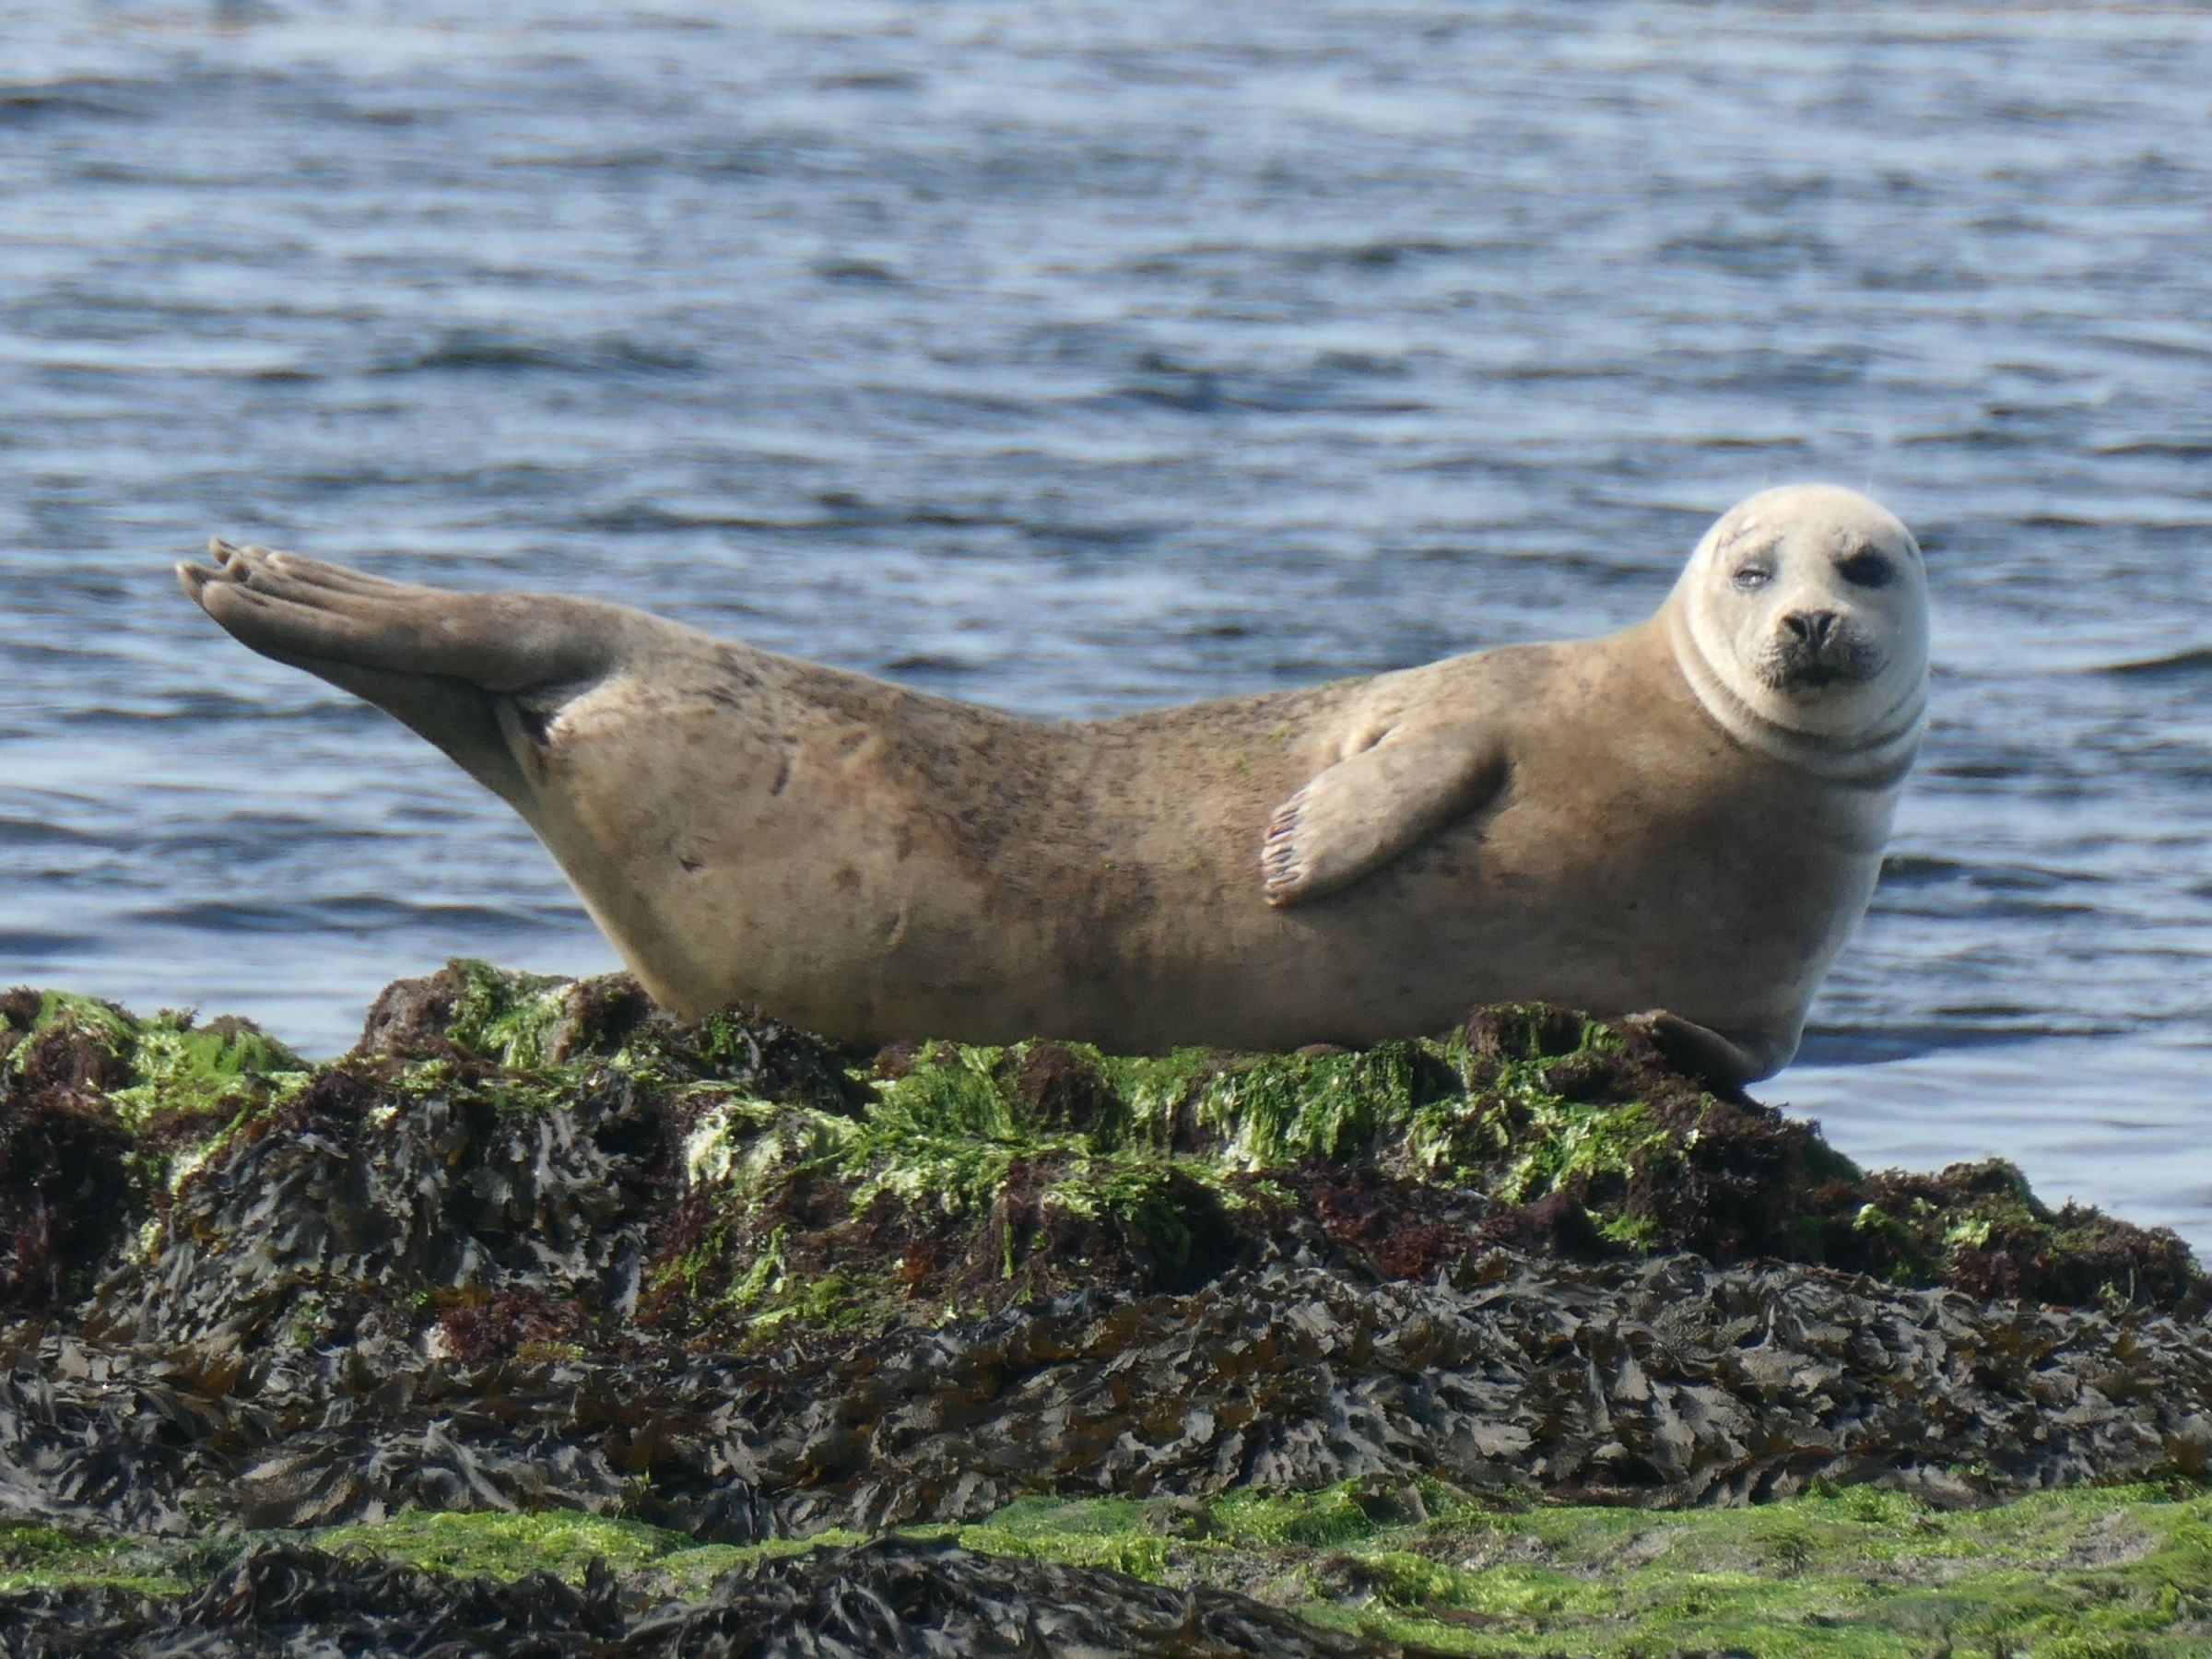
(1867, 569)
(1752, 576)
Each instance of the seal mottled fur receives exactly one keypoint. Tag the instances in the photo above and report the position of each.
(1680, 822)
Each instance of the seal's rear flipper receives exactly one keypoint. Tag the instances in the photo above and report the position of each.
(442, 663)
(303, 611)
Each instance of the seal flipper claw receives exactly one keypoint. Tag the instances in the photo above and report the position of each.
(1280, 873)
(314, 572)
(1354, 817)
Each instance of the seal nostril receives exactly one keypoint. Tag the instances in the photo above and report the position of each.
(1812, 626)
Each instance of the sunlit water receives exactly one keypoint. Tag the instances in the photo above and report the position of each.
(1080, 358)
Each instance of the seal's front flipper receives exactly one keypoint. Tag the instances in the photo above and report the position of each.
(1357, 815)
(1722, 1063)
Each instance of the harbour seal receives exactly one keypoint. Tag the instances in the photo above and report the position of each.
(1679, 823)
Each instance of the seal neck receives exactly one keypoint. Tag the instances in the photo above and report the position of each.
(1876, 758)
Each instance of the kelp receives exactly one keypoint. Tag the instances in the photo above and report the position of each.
(889, 1599)
(1664, 1382)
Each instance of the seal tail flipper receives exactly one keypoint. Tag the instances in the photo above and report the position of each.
(442, 663)
(310, 614)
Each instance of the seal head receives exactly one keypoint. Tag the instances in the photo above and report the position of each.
(1800, 620)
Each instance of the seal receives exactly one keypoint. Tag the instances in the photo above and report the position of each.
(1679, 823)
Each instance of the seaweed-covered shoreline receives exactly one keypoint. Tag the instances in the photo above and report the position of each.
(536, 1249)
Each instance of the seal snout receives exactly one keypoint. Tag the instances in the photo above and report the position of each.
(1811, 649)
(1810, 626)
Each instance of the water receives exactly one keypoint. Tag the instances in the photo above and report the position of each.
(1085, 357)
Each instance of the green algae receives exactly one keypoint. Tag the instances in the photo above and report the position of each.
(561, 1542)
(940, 1143)
(32, 1556)
(66, 1012)
(1865, 1574)
(497, 1545)
(166, 1065)
(184, 1070)
(507, 1017)
(1572, 1146)
(1261, 1112)
(1862, 1574)
(1859, 1575)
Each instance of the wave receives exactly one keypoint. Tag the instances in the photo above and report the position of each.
(869, 80)
(482, 349)
(929, 665)
(353, 910)
(633, 518)
(331, 712)
(2186, 663)
(2177, 448)
(1920, 869)
(858, 270)
(32, 832)
(16, 944)
(22, 102)
(1884, 1044)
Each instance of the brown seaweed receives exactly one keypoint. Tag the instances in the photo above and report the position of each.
(890, 1599)
(536, 1245)
(1666, 1382)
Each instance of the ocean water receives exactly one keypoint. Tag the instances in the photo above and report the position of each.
(1083, 357)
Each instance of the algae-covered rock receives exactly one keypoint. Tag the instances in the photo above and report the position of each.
(521, 1160)
(527, 1024)
(1988, 1234)
(537, 1247)
(508, 1161)
(99, 1111)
